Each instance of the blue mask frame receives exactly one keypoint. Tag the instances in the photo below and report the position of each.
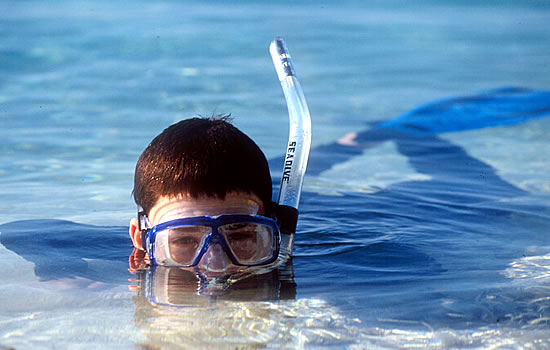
(214, 237)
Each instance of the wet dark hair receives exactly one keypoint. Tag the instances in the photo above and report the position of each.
(202, 157)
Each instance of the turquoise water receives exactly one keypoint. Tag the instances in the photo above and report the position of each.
(427, 231)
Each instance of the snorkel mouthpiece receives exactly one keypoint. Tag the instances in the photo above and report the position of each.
(299, 138)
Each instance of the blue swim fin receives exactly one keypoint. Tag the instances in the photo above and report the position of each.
(490, 108)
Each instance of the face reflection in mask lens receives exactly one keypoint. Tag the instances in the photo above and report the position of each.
(250, 243)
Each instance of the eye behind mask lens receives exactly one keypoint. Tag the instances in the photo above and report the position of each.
(185, 242)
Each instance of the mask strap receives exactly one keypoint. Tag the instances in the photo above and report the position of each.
(143, 225)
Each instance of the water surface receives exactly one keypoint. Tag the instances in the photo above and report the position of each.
(429, 230)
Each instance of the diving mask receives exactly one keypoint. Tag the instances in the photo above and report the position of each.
(247, 240)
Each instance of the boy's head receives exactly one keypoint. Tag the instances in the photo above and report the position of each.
(201, 157)
(204, 167)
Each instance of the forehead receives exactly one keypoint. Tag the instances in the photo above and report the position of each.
(170, 208)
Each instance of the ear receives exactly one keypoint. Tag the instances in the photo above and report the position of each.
(135, 234)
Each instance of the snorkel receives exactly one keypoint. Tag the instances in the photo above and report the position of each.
(299, 142)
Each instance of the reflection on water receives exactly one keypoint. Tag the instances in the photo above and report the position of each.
(172, 286)
(175, 306)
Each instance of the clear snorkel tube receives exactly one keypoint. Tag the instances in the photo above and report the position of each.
(299, 142)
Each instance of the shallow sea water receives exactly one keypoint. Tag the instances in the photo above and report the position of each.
(406, 238)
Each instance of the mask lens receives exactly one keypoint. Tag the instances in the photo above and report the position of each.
(185, 242)
(250, 243)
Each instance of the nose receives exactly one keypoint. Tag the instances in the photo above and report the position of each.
(215, 259)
